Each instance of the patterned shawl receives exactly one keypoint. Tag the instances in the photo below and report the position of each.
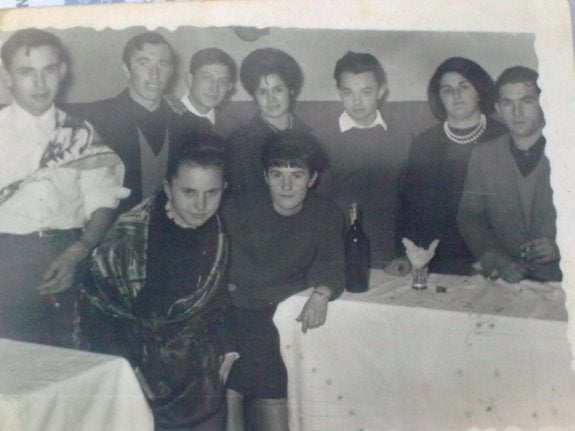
(74, 144)
(176, 357)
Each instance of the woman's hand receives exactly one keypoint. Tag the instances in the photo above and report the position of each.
(314, 311)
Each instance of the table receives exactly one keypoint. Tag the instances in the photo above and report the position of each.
(44, 388)
(482, 354)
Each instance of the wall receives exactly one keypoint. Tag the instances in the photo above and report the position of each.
(408, 57)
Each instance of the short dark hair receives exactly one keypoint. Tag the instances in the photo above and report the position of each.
(137, 43)
(359, 62)
(471, 71)
(267, 61)
(518, 74)
(213, 56)
(200, 149)
(30, 38)
(291, 148)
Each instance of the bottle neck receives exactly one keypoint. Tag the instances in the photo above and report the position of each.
(355, 219)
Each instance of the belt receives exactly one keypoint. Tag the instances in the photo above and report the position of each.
(42, 233)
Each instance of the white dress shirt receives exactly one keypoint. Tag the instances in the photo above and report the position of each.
(210, 115)
(53, 197)
(346, 122)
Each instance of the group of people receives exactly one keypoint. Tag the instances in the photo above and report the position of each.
(131, 226)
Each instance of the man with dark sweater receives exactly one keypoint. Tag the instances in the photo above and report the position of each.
(367, 153)
(506, 214)
(138, 123)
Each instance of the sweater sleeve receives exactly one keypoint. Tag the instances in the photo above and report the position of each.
(246, 172)
(328, 266)
(472, 217)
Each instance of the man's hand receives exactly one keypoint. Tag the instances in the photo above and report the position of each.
(314, 311)
(513, 271)
(60, 275)
(540, 250)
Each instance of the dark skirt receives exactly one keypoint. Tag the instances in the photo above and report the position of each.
(260, 371)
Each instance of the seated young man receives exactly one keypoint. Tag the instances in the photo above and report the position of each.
(59, 187)
(281, 243)
(367, 153)
(506, 214)
(156, 293)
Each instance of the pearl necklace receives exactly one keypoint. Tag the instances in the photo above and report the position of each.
(471, 136)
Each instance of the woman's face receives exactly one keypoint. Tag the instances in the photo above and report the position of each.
(195, 193)
(272, 97)
(460, 99)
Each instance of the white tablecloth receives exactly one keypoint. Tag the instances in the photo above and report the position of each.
(482, 354)
(43, 388)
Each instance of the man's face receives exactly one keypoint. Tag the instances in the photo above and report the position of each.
(195, 193)
(518, 106)
(360, 94)
(288, 188)
(34, 78)
(148, 73)
(209, 86)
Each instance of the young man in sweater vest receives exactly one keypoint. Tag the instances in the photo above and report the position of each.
(367, 152)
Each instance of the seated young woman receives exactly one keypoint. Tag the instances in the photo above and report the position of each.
(155, 293)
(282, 242)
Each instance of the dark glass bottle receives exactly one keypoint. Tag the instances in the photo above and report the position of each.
(356, 254)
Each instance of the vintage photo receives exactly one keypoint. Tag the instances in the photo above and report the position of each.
(288, 216)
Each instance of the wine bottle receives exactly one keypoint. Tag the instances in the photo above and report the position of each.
(356, 253)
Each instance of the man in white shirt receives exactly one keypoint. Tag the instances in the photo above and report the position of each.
(210, 79)
(59, 185)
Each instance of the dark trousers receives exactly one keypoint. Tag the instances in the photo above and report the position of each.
(26, 315)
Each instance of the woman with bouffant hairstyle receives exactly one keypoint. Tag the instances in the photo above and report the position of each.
(274, 79)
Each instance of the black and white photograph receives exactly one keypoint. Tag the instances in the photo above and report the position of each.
(287, 216)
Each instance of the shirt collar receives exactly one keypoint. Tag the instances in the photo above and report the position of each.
(210, 115)
(346, 122)
(23, 120)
